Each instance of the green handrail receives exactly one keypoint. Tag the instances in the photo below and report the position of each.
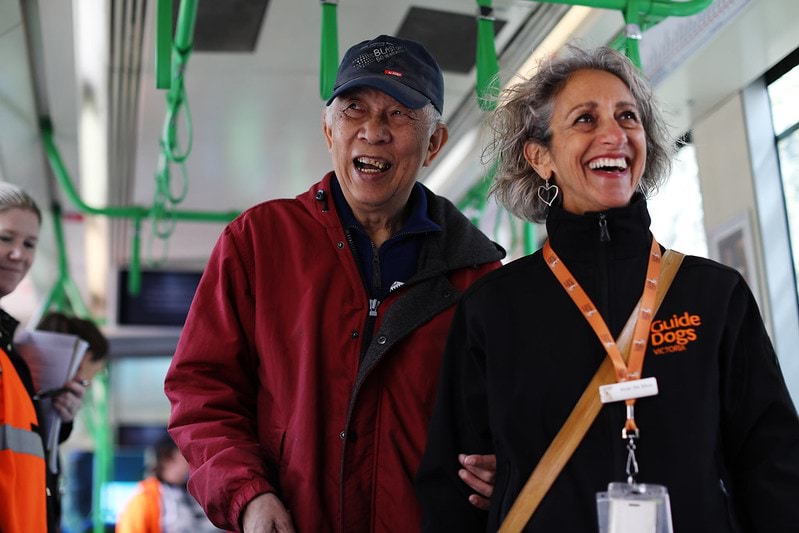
(639, 15)
(328, 58)
(137, 213)
(659, 8)
(64, 290)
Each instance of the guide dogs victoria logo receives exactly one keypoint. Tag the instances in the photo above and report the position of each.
(674, 334)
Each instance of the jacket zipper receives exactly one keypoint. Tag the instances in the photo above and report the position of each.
(366, 342)
(604, 272)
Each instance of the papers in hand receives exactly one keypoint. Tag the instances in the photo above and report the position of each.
(53, 359)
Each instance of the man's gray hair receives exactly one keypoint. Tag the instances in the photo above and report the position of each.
(525, 114)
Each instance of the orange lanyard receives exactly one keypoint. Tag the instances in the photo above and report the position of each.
(625, 371)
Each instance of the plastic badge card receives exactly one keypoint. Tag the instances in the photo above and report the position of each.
(636, 508)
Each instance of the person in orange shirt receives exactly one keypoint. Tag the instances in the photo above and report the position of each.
(162, 503)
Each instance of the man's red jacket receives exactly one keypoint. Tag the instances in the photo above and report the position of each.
(267, 388)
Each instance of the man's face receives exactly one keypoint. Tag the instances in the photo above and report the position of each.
(378, 147)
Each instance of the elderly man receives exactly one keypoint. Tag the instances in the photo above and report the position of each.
(305, 376)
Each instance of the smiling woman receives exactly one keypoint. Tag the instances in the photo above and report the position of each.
(22, 467)
(31, 490)
(578, 144)
(538, 115)
(19, 233)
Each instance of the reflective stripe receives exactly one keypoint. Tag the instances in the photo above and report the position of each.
(21, 441)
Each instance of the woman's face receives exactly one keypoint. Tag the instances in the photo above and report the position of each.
(19, 233)
(598, 149)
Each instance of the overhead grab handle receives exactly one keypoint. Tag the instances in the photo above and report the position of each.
(328, 60)
(487, 61)
(163, 45)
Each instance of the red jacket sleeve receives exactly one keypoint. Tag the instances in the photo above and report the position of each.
(212, 385)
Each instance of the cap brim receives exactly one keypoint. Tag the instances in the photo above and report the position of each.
(400, 92)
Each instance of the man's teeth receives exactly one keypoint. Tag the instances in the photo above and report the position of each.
(604, 162)
(367, 164)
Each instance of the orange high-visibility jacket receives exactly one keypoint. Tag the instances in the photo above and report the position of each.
(143, 512)
(23, 501)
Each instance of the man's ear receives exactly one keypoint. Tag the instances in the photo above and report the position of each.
(327, 130)
(437, 141)
(539, 158)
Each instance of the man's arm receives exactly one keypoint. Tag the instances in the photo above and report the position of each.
(213, 387)
(459, 422)
(479, 472)
(266, 514)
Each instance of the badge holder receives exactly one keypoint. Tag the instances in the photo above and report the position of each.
(633, 507)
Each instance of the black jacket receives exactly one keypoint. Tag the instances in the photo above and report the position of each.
(722, 435)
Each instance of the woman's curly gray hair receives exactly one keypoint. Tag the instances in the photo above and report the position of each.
(525, 113)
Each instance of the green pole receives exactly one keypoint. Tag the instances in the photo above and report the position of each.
(633, 32)
(184, 33)
(103, 448)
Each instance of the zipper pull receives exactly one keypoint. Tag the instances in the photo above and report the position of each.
(604, 235)
(373, 303)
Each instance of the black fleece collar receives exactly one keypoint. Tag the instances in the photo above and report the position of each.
(576, 237)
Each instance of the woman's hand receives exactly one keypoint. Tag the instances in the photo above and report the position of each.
(479, 472)
(68, 402)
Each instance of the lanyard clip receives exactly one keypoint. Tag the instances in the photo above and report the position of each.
(630, 430)
(632, 462)
(630, 433)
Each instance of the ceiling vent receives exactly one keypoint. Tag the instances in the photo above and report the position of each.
(450, 37)
(227, 26)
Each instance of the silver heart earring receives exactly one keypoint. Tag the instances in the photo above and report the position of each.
(548, 192)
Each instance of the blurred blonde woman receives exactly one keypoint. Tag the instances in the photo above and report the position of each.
(27, 494)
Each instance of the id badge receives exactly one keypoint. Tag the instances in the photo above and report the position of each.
(634, 508)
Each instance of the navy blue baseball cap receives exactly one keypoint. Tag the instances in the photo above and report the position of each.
(400, 68)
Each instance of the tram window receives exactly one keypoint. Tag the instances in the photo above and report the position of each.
(676, 209)
(785, 117)
(138, 399)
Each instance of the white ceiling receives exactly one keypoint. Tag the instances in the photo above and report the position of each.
(257, 117)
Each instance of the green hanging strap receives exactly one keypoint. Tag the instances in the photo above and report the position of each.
(163, 45)
(328, 63)
(487, 62)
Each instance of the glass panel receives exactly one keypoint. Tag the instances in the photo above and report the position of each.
(137, 390)
(784, 104)
(788, 149)
(676, 210)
